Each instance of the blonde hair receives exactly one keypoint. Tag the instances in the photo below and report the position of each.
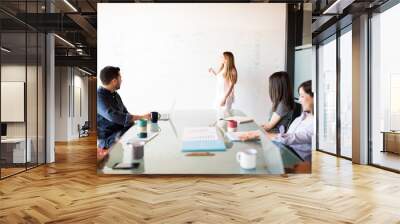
(230, 73)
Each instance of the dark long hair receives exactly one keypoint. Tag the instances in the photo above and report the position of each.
(307, 87)
(280, 90)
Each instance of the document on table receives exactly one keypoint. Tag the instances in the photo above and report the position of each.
(201, 139)
(200, 133)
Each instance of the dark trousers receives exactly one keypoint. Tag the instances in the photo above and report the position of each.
(109, 141)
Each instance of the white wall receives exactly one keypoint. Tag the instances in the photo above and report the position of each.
(164, 52)
(61, 103)
(17, 73)
(67, 116)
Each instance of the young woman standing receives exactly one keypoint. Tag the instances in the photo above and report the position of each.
(226, 80)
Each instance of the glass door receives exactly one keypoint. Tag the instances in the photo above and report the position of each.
(326, 135)
(385, 89)
(345, 42)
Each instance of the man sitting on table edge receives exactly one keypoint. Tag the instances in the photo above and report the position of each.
(113, 119)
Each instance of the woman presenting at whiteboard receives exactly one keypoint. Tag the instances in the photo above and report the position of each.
(226, 80)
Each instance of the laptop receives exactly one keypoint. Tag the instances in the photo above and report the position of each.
(166, 116)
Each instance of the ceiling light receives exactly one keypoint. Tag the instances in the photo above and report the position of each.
(64, 40)
(338, 6)
(84, 71)
(5, 50)
(70, 5)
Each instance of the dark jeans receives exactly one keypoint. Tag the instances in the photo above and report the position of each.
(108, 142)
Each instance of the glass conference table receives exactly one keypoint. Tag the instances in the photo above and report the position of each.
(163, 155)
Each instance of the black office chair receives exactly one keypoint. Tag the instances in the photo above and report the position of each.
(84, 130)
(296, 111)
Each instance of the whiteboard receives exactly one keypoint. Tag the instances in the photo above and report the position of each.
(164, 52)
(12, 101)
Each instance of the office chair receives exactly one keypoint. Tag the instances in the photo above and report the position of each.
(296, 111)
(84, 130)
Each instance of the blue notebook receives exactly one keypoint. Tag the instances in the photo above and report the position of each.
(203, 146)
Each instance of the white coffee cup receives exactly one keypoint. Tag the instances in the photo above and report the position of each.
(247, 158)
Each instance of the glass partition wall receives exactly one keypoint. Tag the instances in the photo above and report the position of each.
(385, 89)
(345, 64)
(22, 78)
(334, 94)
(326, 131)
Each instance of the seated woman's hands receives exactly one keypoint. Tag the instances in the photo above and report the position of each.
(250, 135)
(271, 136)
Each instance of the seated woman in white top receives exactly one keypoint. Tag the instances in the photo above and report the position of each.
(299, 135)
(226, 80)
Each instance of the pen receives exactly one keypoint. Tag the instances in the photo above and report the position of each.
(200, 154)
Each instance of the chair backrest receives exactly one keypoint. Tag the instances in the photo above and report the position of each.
(86, 125)
(296, 111)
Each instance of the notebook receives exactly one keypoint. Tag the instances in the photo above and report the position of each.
(201, 139)
(203, 146)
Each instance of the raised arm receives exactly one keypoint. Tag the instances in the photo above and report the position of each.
(211, 70)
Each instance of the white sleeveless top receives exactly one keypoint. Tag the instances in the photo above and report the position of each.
(222, 88)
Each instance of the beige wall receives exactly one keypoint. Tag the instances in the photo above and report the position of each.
(71, 102)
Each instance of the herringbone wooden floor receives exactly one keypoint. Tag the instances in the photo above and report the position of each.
(70, 191)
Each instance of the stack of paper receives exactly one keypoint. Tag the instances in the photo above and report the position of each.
(200, 133)
(201, 139)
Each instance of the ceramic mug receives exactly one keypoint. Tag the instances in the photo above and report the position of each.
(154, 116)
(232, 125)
(247, 158)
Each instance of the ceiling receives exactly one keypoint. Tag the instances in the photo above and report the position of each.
(75, 22)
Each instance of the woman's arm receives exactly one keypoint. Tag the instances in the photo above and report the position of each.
(302, 137)
(271, 136)
(272, 122)
(211, 70)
